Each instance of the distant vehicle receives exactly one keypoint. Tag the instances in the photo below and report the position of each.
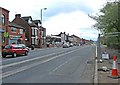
(81, 43)
(23, 45)
(14, 50)
(71, 45)
(65, 45)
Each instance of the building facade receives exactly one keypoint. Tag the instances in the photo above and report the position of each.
(34, 34)
(20, 21)
(4, 21)
(16, 34)
(43, 36)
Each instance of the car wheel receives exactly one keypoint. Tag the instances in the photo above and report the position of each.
(14, 55)
(26, 53)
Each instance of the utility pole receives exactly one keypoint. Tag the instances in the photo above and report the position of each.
(98, 48)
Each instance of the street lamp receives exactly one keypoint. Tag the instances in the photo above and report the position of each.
(41, 14)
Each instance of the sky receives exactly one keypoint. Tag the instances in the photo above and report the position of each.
(70, 16)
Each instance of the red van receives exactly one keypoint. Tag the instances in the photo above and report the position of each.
(14, 50)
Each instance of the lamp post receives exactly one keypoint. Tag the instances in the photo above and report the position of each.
(41, 14)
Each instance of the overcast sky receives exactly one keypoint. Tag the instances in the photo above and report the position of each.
(70, 16)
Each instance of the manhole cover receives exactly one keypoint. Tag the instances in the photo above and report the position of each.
(90, 62)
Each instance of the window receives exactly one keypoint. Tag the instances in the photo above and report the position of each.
(13, 29)
(3, 38)
(42, 34)
(17, 47)
(33, 41)
(21, 31)
(33, 32)
(8, 47)
(3, 19)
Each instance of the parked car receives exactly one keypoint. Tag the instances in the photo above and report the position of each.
(71, 45)
(23, 45)
(65, 45)
(14, 50)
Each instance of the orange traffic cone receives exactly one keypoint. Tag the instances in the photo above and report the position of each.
(114, 68)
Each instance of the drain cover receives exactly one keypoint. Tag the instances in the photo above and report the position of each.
(90, 62)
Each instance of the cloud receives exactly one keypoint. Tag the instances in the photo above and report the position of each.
(66, 7)
(70, 16)
(75, 22)
(89, 33)
(32, 7)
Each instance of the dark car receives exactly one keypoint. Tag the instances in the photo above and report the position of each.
(14, 50)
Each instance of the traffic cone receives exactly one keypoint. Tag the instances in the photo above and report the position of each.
(114, 68)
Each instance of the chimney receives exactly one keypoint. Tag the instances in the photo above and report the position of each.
(17, 15)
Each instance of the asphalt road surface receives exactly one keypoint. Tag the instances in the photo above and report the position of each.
(51, 65)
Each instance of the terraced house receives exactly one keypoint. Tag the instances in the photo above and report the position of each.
(34, 33)
(10, 32)
(21, 30)
(16, 33)
(4, 21)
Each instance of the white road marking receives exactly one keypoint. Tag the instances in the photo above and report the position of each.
(9, 73)
(25, 56)
(20, 62)
(28, 60)
(59, 66)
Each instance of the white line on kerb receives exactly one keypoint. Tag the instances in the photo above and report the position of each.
(96, 52)
(96, 69)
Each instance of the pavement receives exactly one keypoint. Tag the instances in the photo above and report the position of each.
(105, 76)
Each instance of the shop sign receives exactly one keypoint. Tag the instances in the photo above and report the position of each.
(16, 36)
(6, 34)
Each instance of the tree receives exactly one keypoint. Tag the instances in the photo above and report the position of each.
(108, 21)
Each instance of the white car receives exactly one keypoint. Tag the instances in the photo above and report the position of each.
(71, 45)
(65, 45)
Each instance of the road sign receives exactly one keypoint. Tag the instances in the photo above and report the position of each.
(105, 56)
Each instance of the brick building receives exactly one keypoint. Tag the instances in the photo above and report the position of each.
(35, 34)
(16, 34)
(4, 21)
(25, 23)
(41, 33)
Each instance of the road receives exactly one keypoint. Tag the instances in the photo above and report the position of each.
(51, 65)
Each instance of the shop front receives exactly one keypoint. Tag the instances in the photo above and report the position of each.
(16, 39)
